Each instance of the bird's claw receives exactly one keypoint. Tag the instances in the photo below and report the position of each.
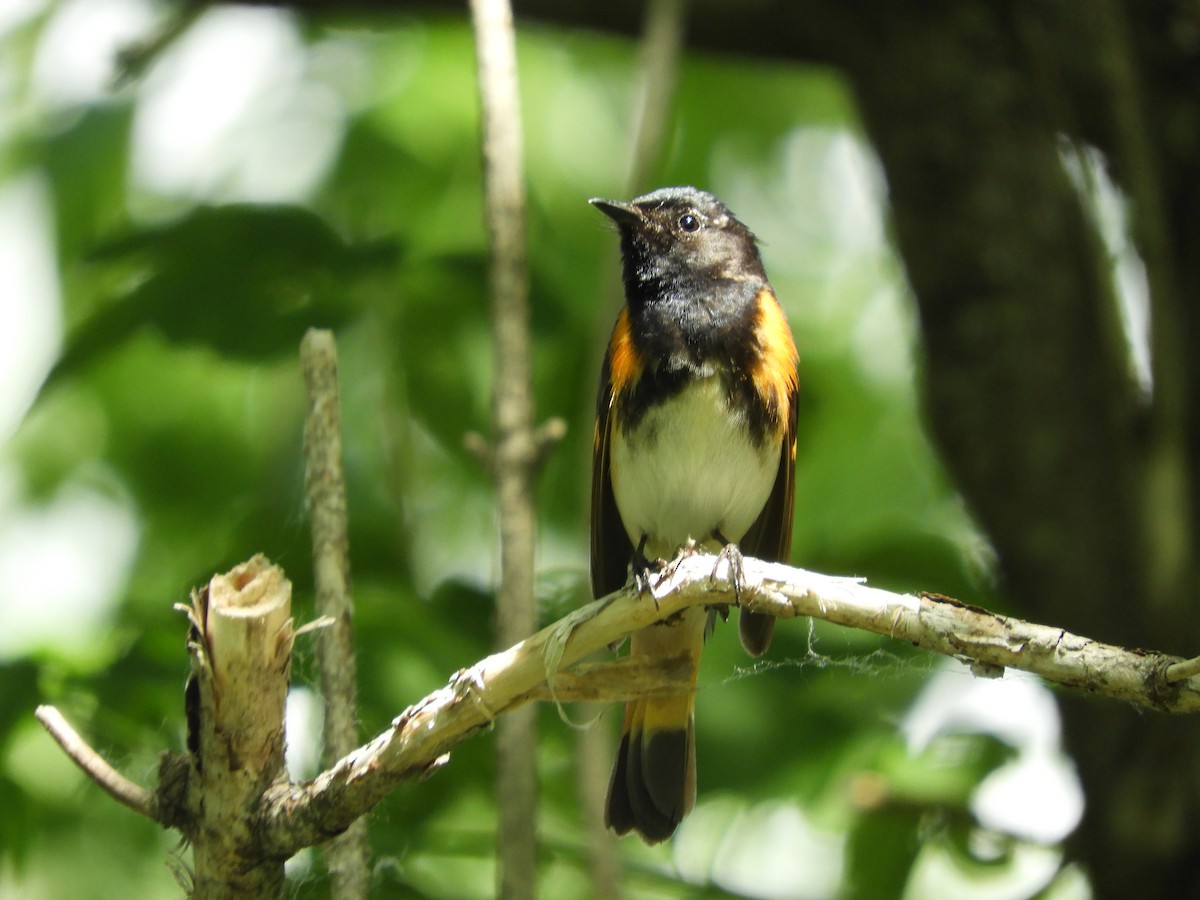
(731, 555)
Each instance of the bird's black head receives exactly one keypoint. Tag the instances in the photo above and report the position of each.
(677, 235)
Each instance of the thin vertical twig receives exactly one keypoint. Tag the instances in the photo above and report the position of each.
(514, 453)
(346, 856)
(661, 51)
(595, 749)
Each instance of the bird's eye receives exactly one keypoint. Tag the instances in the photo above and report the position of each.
(688, 222)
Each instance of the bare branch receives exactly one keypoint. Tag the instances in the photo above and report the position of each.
(346, 855)
(515, 455)
(420, 738)
(95, 766)
(240, 646)
(981, 638)
(628, 678)
(252, 817)
(660, 50)
(1181, 671)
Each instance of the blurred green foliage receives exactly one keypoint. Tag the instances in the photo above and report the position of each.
(177, 395)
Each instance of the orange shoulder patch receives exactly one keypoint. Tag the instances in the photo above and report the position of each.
(624, 361)
(775, 376)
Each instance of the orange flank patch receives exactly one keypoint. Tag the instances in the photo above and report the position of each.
(624, 361)
(775, 377)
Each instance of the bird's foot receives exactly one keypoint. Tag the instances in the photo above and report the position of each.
(731, 555)
(644, 571)
(649, 575)
(667, 572)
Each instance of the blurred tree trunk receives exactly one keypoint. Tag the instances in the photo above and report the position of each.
(1088, 491)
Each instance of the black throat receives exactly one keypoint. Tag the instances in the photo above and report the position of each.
(687, 327)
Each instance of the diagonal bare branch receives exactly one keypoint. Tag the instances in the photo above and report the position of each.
(419, 740)
(94, 765)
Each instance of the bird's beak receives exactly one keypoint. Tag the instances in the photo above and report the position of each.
(621, 213)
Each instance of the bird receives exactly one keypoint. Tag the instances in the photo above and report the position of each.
(694, 446)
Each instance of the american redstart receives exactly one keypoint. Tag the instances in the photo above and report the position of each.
(695, 441)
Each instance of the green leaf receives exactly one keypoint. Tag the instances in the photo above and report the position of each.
(245, 280)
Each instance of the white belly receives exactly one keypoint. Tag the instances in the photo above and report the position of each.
(690, 469)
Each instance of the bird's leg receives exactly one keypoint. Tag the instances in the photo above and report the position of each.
(732, 555)
(644, 568)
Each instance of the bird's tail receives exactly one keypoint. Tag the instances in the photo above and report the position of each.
(653, 784)
(755, 630)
